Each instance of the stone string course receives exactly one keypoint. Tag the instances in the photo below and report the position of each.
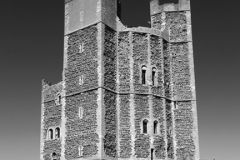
(184, 125)
(113, 100)
(110, 59)
(157, 62)
(169, 118)
(159, 138)
(110, 138)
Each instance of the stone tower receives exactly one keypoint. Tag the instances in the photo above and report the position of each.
(126, 93)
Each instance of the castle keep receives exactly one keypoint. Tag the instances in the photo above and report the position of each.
(126, 93)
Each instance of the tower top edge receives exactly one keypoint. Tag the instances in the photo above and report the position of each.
(182, 5)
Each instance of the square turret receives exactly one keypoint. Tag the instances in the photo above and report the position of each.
(82, 13)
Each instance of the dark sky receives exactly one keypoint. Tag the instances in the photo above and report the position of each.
(31, 48)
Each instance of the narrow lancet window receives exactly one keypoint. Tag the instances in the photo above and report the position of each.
(145, 126)
(80, 113)
(81, 16)
(155, 127)
(81, 47)
(80, 151)
(153, 75)
(57, 132)
(50, 134)
(81, 80)
(144, 70)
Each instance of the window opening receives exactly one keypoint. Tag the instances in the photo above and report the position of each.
(153, 75)
(81, 80)
(152, 151)
(144, 70)
(80, 149)
(175, 105)
(57, 132)
(155, 124)
(59, 99)
(81, 16)
(145, 126)
(50, 134)
(80, 112)
(81, 47)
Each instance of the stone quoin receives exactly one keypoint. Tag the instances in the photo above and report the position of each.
(126, 93)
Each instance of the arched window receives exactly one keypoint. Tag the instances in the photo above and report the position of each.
(155, 127)
(80, 151)
(144, 70)
(57, 132)
(153, 75)
(50, 134)
(145, 125)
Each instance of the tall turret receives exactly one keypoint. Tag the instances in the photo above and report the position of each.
(174, 21)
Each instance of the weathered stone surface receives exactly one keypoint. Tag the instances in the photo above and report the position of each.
(142, 141)
(81, 131)
(110, 59)
(124, 62)
(124, 127)
(140, 57)
(82, 64)
(104, 107)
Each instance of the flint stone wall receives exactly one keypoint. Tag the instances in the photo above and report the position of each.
(110, 58)
(82, 64)
(183, 115)
(169, 119)
(142, 141)
(81, 132)
(124, 127)
(124, 62)
(110, 120)
(140, 57)
(51, 118)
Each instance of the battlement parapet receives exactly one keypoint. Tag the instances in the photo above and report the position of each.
(155, 7)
